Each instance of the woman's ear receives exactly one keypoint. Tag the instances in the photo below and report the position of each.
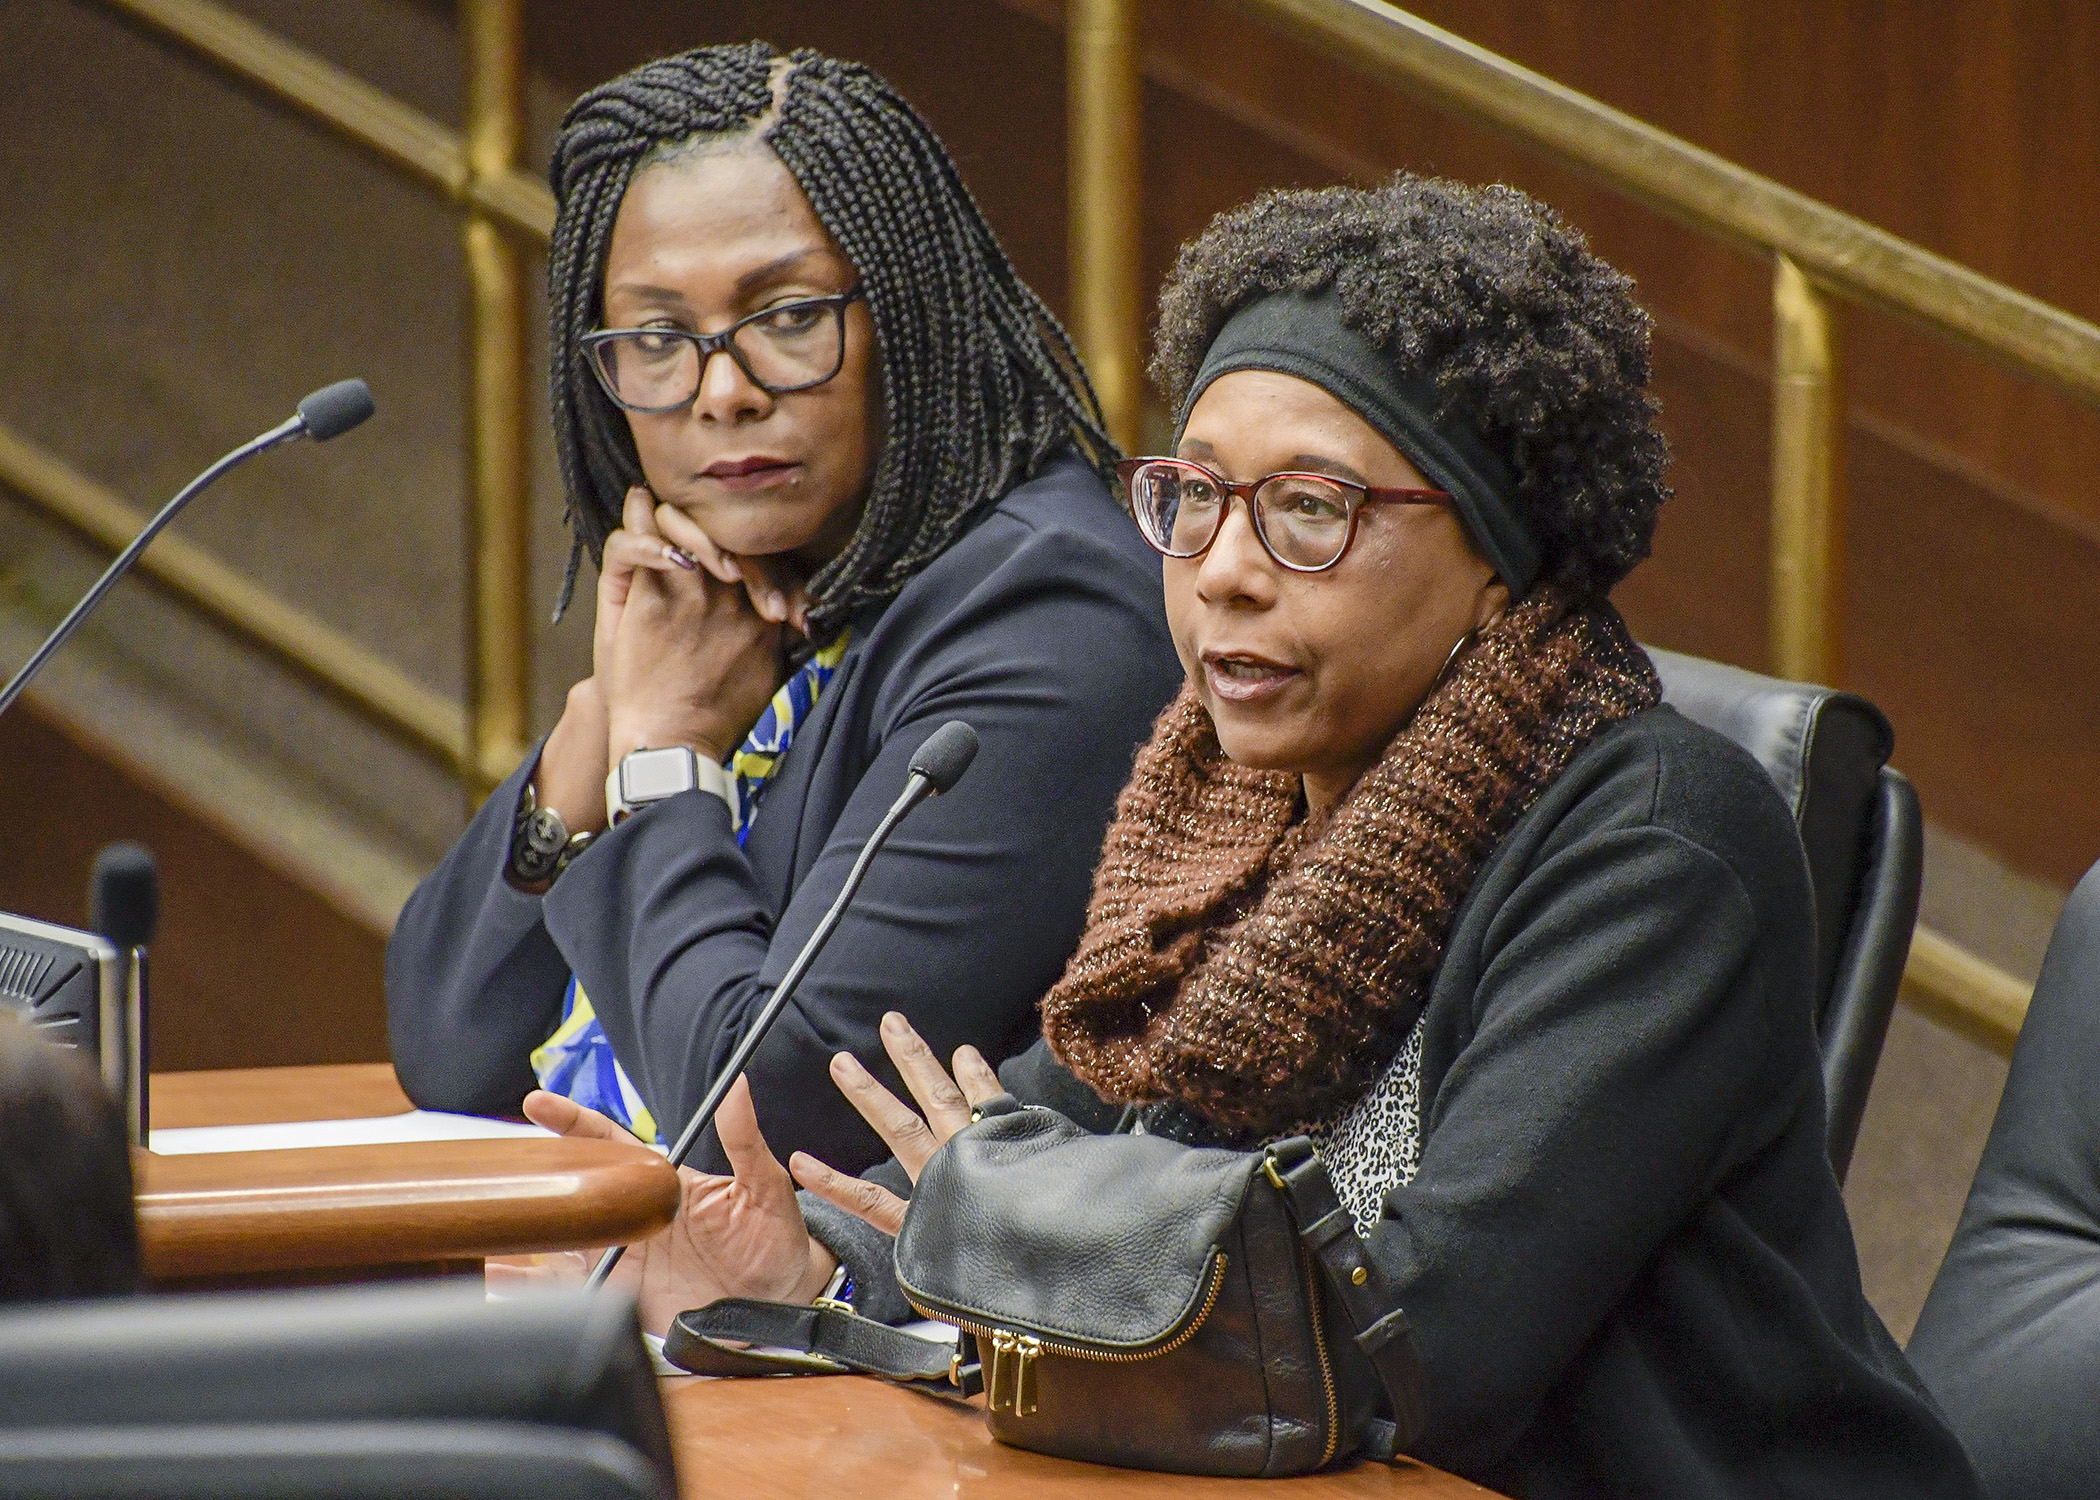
(1492, 603)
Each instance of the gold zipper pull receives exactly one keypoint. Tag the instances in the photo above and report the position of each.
(1002, 1360)
(1028, 1349)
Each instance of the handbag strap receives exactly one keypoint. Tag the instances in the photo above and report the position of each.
(1366, 1293)
(825, 1339)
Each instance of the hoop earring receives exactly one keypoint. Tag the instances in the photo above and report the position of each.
(1452, 660)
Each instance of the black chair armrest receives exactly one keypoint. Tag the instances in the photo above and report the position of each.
(1870, 967)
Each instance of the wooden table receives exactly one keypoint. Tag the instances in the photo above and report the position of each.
(768, 1439)
(271, 1096)
(351, 1213)
(812, 1438)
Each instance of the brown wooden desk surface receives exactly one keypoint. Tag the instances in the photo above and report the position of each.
(341, 1212)
(272, 1096)
(816, 1437)
(810, 1439)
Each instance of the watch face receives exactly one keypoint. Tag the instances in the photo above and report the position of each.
(652, 775)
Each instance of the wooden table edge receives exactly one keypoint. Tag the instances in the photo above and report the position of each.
(248, 1212)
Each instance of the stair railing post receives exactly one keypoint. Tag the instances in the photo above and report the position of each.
(1808, 481)
(499, 529)
(1105, 131)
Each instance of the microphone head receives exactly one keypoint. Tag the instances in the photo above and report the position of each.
(126, 896)
(946, 754)
(334, 409)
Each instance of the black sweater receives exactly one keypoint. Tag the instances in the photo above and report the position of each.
(1042, 628)
(1624, 1253)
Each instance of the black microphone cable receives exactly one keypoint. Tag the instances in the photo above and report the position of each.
(935, 768)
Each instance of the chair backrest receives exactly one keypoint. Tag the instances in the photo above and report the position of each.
(399, 1390)
(402, 1460)
(1827, 752)
(2009, 1339)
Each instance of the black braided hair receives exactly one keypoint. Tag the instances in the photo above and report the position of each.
(980, 383)
(1536, 341)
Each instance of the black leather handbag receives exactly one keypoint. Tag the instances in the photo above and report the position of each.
(1126, 1300)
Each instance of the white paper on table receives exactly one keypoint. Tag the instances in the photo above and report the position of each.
(415, 1125)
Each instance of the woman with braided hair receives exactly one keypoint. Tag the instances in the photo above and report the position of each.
(1417, 866)
(845, 480)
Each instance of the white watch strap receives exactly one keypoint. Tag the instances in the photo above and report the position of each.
(717, 780)
(645, 776)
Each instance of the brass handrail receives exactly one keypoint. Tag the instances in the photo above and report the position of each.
(364, 116)
(1102, 220)
(499, 617)
(478, 171)
(1817, 251)
(1808, 480)
(1952, 986)
(319, 652)
(1695, 187)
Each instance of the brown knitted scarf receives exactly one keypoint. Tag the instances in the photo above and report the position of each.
(1264, 971)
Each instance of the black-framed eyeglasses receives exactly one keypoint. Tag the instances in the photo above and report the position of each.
(1304, 521)
(790, 347)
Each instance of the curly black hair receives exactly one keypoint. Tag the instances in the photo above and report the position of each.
(1530, 338)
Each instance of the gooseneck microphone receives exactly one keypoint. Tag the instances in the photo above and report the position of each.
(124, 906)
(936, 766)
(329, 412)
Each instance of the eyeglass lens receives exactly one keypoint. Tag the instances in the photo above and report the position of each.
(1304, 519)
(785, 348)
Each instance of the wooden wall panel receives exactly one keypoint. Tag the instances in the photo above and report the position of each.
(248, 969)
(989, 80)
(1969, 126)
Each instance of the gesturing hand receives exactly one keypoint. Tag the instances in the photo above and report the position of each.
(743, 1235)
(947, 1102)
(736, 1236)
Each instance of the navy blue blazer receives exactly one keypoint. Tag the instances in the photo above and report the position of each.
(1042, 627)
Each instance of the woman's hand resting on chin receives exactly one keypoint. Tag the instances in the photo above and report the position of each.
(776, 586)
(686, 649)
(743, 1235)
(687, 658)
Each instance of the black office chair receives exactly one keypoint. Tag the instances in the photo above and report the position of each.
(426, 1392)
(2009, 1340)
(1827, 752)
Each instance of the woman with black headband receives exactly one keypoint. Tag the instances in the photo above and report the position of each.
(1418, 865)
(846, 481)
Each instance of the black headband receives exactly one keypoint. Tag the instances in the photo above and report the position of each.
(1301, 334)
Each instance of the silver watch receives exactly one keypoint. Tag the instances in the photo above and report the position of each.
(646, 776)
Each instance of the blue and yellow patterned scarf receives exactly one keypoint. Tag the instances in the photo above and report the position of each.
(577, 1061)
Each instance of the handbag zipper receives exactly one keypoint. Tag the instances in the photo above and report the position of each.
(1319, 1327)
(1014, 1353)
